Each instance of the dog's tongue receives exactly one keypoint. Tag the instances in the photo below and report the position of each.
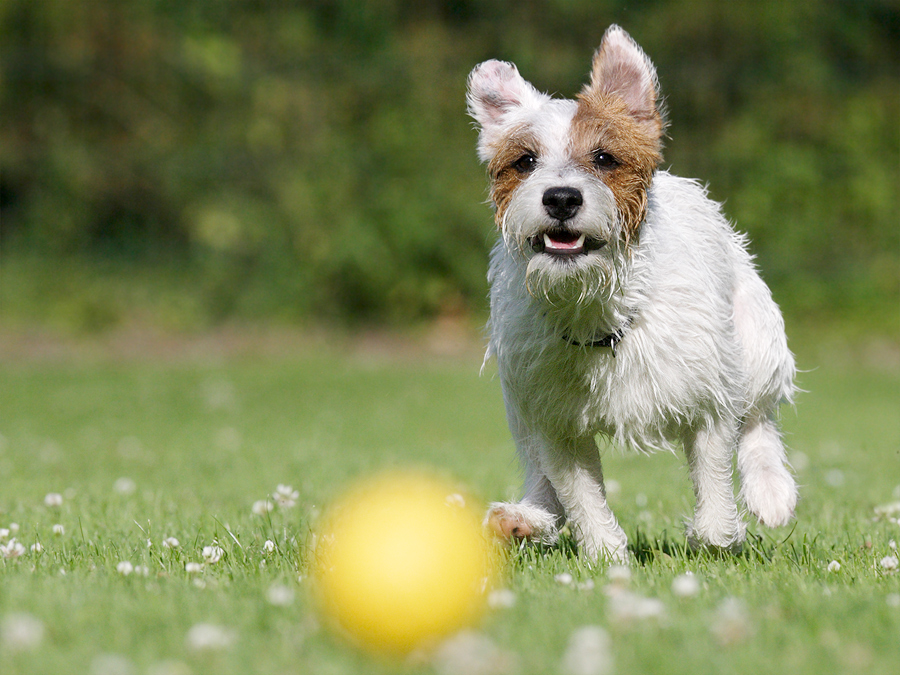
(563, 244)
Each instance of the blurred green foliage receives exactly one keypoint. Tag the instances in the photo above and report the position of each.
(312, 159)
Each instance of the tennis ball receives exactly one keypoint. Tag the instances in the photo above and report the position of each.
(401, 560)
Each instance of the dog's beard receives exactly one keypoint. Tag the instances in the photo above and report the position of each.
(588, 278)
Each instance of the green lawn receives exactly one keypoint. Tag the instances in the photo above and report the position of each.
(182, 443)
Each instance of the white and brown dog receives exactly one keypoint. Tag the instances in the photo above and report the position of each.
(622, 304)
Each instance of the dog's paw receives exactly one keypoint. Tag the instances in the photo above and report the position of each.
(510, 521)
(727, 535)
(771, 496)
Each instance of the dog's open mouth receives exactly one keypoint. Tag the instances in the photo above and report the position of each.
(564, 243)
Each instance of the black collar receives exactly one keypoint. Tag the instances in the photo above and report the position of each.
(610, 341)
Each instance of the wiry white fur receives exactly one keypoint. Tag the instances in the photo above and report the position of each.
(704, 361)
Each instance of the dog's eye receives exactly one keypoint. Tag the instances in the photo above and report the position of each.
(604, 160)
(526, 163)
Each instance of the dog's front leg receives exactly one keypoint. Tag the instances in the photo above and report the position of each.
(538, 515)
(716, 522)
(573, 468)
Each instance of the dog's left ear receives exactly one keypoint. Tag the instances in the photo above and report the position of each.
(621, 68)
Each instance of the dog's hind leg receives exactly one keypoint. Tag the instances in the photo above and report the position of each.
(716, 520)
(767, 486)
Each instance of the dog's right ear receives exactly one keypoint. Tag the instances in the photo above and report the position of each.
(495, 90)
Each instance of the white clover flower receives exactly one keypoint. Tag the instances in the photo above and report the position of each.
(501, 598)
(285, 496)
(618, 574)
(889, 563)
(892, 545)
(471, 653)
(12, 549)
(732, 622)
(280, 595)
(589, 652)
(627, 606)
(834, 566)
(124, 486)
(261, 507)
(212, 554)
(53, 500)
(21, 632)
(124, 568)
(14, 528)
(208, 637)
(455, 500)
(193, 567)
(565, 579)
(59, 530)
(685, 585)
(893, 600)
(171, 542)
(37, 547)
(142, 570)
(4, 533)
(269, 546)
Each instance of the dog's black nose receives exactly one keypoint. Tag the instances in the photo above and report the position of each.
(562, 202)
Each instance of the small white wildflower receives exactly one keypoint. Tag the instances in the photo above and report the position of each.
(618, 574)
(53, 499)
(142, 570)
(586, 585)
(14, 528)
(834, 566)
(613, 487)
(835, 478)
(171, 542)
(4, 533)
(124, 568)
(212, 554)
(892, 545)
(193, 567)
(887, 510)
(640, 499)
(627, 606)
(565, 579)
(268, 546)
(12, 549)
(589, 652)
(59, 530)
(893, 600)
(124, 486)
(280, 595)
(20, 632)
(456, 500)
(685, 585)
(111, 664)
(262, 507)
(208, 636)
(889, 563)
(471, 653)
(732, 622)
(285, 496)
(501, 598)
(37, 547)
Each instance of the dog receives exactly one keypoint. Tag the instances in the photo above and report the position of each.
(623, 305)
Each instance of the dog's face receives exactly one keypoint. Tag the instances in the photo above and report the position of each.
(569, 179)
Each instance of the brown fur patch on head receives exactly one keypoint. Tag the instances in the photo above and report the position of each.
(604, 123)
(505, 178)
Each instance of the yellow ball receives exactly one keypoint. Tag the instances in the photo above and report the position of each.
(401, 560)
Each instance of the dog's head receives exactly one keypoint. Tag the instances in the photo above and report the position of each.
(569, 179)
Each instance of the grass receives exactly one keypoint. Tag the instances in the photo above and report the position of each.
(181, 443)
